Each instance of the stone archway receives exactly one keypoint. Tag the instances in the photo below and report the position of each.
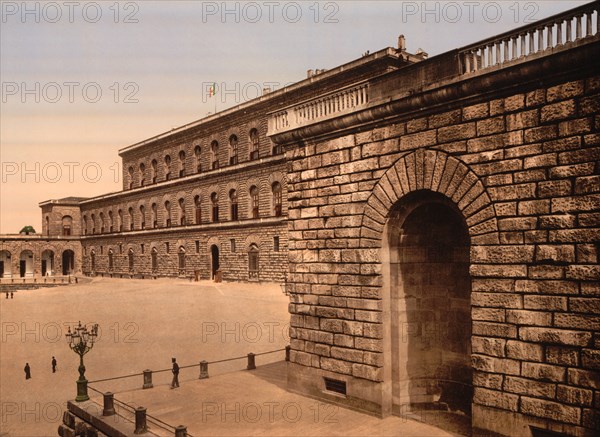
(430, 312)
(5, 264)
(68, 262)
(425, 213)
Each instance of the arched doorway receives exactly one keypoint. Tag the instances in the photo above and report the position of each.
(5, 264)
(26, 264)
(214, 260)
(68, 262)
(47, 263)
(430, 290)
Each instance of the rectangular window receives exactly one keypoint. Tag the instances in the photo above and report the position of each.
(142, 248)
(167, 247)
(276, 244)
(232, 241)
(66, 230)
(120, 248)
(197, 246)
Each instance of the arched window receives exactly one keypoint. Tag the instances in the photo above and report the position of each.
(233, 150)
(167, 167)
(110, 221)
(214, 154)
(253, 266)
(142, 174)
(154, 259)
(130, 171)
(130, 259)
(276, 189)
(254, 144)
(120, 216)
(111, 261)
(47, 225)
(142, 217)
(102, 223)
(254, 201)
(85, 225)
(233, 204)
(181, 164)
(198, 209)
(214, 199)
(181, 258)
(93, 261)
(93, 218)
(67, 223)
(182, 211)
(154, 166)
(167, 214)
(198, 155)
(131, 219)
(154, 215)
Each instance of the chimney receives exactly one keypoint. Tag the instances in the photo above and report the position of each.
(401, 43)
(266, 90)
(310, 73)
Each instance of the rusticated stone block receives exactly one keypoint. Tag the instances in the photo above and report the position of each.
(550, 410)
(530, 388)
(555, 336)
(574, 395)
(495, 365)
(584, 378)
(487, 380)
(527, 317)
(543, 372)
(337, 366)
(524, 351)
(488, 346)
(496, 399)
(558, 111)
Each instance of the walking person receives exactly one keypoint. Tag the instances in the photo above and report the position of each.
(175, 382)
(27, 371)
(7, 294)
(53, 365)
(11, 294)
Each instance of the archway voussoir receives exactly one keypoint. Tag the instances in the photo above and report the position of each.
(400, 168)
(392, 177)
(459, 176)
(381, 195)
(491, 238)
(429, 166)
(388, 188)
(480, 216)
(420, 168)
(449, 170)
(474, 192)
(484, 227)
(410, 172)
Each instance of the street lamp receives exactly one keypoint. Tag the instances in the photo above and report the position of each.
(81, 342)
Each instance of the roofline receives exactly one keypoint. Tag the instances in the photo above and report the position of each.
(386, 52)
(59, 202)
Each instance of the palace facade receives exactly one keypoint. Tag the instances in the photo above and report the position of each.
(436, 221)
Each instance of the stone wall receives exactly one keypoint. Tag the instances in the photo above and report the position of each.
(12, 248)
(519, 164)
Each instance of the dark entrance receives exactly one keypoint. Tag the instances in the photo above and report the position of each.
(214, 255)
(43, 267)
(1, 269)
(68, 262)
(431, 309)
(22, 268)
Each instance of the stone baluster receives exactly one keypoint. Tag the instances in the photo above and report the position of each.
(549, 28)
(540, 33)
(569, 30)
(578, 29)
(588, 27)
(559, 39)
(523, 38)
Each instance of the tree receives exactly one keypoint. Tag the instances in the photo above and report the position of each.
(27, 230)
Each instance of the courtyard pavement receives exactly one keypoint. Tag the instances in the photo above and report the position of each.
(143, 323)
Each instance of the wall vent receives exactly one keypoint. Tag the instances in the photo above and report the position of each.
(539, 432)
(335, 386)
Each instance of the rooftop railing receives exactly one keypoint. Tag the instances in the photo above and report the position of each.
(325, 107)
(542, 36)
(569, 29)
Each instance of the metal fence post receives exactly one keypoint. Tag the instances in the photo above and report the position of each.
(203, 370)
(140, 420)
(251, 362)
(147, 379)
(109, 404)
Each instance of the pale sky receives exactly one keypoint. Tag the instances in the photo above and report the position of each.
(152, 62)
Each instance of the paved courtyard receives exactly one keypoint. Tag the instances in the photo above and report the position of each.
(142, 325)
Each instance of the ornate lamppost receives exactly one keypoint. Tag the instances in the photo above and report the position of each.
(81, 341)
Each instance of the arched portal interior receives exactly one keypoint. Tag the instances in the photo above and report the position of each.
(430, 312)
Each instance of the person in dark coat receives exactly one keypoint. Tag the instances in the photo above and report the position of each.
(175, 382)
(53, 365)
(27, 371)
